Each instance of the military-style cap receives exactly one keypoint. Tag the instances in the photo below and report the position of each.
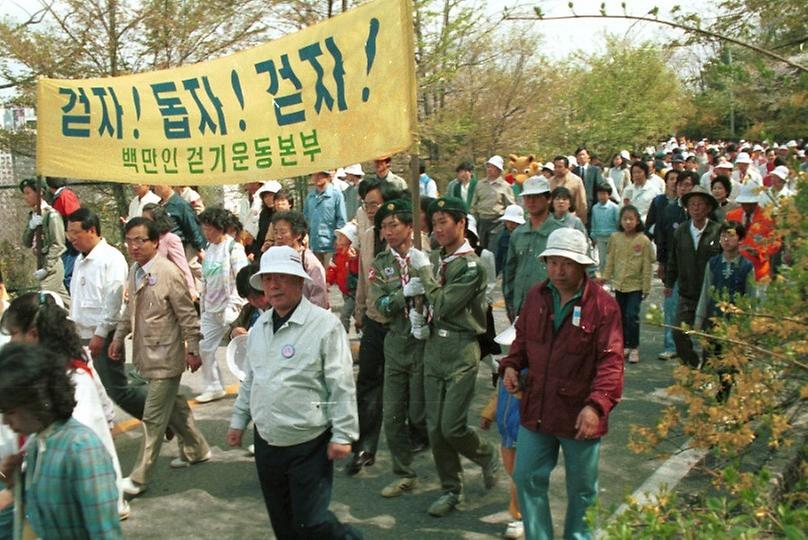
(447, 204)
(392, 208)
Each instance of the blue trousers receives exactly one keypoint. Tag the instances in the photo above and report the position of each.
(629, 303)
(536, 457)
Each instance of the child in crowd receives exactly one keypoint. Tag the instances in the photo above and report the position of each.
(564, 210)
(513, 217)
(605, 220)
(504, 407)
(256, 304)
(343, 270)
(488, 347)
(628, 268)
(727, 275)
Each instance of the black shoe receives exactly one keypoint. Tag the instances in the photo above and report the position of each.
(419, 447)
(360, 459)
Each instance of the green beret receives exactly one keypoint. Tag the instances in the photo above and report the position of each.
(447, 204)
(392, 208)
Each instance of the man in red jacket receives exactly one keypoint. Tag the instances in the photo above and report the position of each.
(569, 336)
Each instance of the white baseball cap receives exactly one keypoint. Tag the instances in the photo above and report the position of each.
(757, 148)
(355, 169)
(271, 186)
(350, 231)
(791, 144)
(279, 260)
(340, 173)
(625, 155)
(535, 185)
(573, 161)
(497, 162)
(515, 213)
(743, 157)
(781, 171)
(748, 194)
(569, 243)
(550, 166)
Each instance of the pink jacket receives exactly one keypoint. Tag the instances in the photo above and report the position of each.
(170, 247)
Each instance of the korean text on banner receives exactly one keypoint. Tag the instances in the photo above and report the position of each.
(342, 91)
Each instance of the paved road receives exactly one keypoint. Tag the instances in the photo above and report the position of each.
(222, 499)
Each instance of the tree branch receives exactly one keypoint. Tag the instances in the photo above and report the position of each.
(673, 24)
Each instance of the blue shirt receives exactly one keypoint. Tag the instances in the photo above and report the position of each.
(325, 213)
(605, 218)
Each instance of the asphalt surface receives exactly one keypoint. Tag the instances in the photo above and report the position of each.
(222, 498)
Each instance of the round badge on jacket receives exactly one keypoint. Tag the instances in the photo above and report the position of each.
(288, 351)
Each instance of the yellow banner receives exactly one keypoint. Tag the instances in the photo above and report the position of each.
(339, 92)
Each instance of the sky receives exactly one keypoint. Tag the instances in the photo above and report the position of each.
(588, 35)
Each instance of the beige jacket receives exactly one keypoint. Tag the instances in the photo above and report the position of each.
(161, 317)
(629, 263)
(491, 198)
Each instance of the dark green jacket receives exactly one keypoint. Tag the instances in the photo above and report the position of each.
(185, 224)
(386, 291)
(686, 264)
(458, 300)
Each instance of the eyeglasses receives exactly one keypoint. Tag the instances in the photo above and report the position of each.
(371, 205)
(136, 241)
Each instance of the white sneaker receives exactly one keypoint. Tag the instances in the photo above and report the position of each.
(251, 450)
(131, 488)
(515, 529)
(207, 397)
(179, 463)
(123, 510)
(634, 356)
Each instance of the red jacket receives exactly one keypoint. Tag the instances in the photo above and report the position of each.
(66, 202)
(579, 366)
(761, 240)
(344, 271)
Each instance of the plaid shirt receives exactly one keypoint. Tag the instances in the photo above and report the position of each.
(70, 490)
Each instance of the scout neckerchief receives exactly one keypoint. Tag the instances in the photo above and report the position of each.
(403, 273)
(464, 249)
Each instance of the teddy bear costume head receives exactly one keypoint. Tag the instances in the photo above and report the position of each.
(520, 168)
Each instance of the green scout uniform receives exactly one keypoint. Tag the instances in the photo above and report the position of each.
(403, 369)
(53, 246)
(451, 361)
(523, 267)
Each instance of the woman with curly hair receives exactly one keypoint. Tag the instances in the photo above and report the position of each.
(37, 319)
(69, 484)
(290, 230)
(219, 301)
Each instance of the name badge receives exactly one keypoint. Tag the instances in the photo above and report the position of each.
(152, 280)
(576, 316)
(472, 264)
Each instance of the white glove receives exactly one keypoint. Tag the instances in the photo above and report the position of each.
(35, 221)
(418, 259)
(413, 287)
(40, 274)
(420, 332)
(416, 318)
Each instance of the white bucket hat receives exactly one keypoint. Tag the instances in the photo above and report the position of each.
(236, 356)
(355, 169)
(569, 243)
(535, 185)
(350, 231)
(340, 174)
(497, 162)
(514, 213)
(781, 171)
(279, 260)
(748, 194)
(743, 157)
(271, 186)
(507, 336)
(725, 165)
